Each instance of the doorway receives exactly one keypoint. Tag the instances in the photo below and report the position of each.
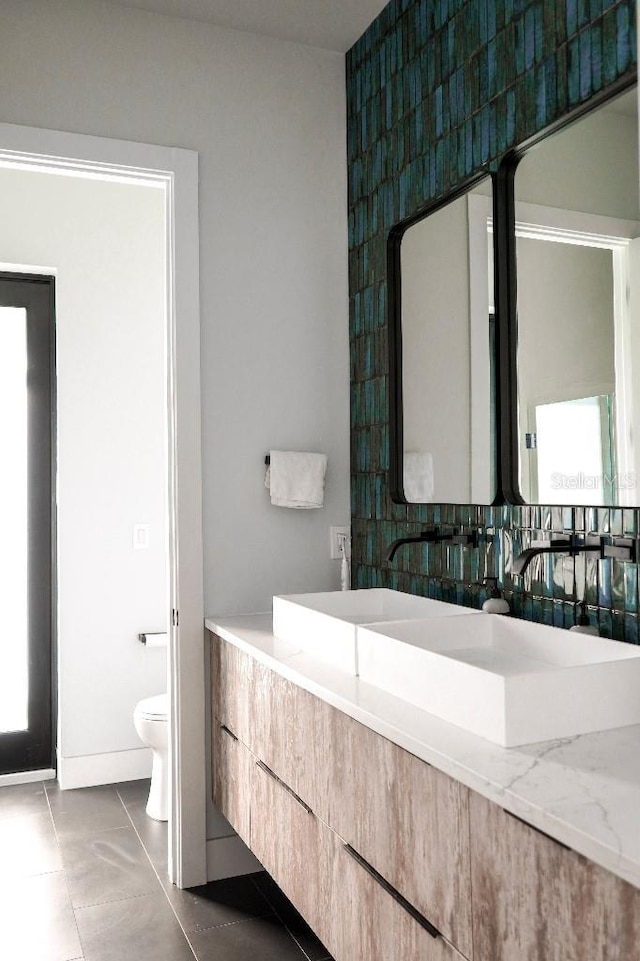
(27, 722)
(175, 171)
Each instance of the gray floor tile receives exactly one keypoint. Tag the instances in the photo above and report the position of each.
(216, 903)
(263, 939)
(153, 835)
(28, 846)
(134, 792)
(21, 799)
(36, 920)
(106, 866)
(296, 925)
(86, 810)
(136, 929)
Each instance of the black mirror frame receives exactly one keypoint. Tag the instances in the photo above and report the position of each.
(506, 278)
(505, 291)
(394, 304)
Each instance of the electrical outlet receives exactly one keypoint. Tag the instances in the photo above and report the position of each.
(335, 534)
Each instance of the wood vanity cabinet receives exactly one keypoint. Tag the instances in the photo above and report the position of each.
(408, 821)
(379, 851)
(535, 900)
(352, 913)
(232, 770)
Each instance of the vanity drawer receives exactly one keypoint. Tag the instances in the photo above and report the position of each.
(292, 735)
(410, 821)
(278, 721)
(232, 685)
(353, 913)
(535, 900)
(368, 923)
(291, 843)
(232, 771)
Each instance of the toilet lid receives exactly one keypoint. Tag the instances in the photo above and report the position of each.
(155, 707)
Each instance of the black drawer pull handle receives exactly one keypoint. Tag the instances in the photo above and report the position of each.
(537, 830)
(283, 784)
(227, 730)
(409, 908)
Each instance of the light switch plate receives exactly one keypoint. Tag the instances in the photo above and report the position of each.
(140, 537)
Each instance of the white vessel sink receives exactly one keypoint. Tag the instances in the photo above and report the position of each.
(511, 681)
(325, 624)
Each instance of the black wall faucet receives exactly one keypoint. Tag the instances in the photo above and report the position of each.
(573, 545)
(433, 535)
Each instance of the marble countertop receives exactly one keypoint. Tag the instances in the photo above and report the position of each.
(584, 791)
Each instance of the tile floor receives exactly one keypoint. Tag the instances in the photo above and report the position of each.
(84, 879)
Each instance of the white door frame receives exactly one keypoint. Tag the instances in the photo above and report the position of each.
(177, 171)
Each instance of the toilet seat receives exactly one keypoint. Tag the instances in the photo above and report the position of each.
(154, 708)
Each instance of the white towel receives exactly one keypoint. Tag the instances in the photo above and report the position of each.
(419, 484)
(296, 479)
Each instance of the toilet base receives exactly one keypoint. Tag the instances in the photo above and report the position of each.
(158, 802)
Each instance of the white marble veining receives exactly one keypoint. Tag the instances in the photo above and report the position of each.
(584, 790)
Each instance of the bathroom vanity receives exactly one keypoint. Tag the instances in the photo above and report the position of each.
(398, 835)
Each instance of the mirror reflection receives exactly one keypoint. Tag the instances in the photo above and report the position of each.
(447, 328)
(578, 302)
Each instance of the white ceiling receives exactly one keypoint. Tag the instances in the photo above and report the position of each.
(331, 24)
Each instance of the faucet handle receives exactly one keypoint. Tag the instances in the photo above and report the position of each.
(467, 538)
(621, 548)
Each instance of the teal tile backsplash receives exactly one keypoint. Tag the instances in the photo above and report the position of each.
(436, 90)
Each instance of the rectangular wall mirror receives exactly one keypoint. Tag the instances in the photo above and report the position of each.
(578, 311)
(442, 328)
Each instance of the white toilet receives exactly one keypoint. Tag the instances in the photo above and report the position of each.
(151, 721)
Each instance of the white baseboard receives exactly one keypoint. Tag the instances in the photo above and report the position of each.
(229, 858)
(27, 777)
(90, 770)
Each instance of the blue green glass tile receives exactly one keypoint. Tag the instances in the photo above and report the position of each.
(466, 48)
(572, 17)
(585, 64)
(605, 594)
(596, 57)
(630, 572)
(547, 611)
(562, 93)
(624, 27)
(557, 615)
(618, 585)
(631, 634)
(557, 519)
(609, 47)
(519, 48)
(591, 520)
(583, 13)
(605, 625)
(541, 96)
(529, 38)
(615, 521)
(573, 77)
(592, 581)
